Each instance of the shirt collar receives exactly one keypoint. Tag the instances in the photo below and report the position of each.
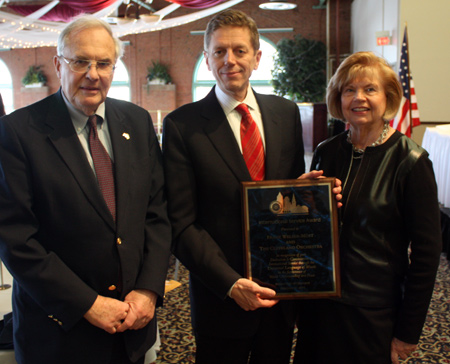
(79, 119)
(228, 103)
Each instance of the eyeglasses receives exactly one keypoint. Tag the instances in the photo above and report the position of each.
(83, 65)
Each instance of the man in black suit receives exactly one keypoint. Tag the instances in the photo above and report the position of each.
(88, 270)
(233, 317)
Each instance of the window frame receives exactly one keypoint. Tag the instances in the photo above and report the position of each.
(122, 83)
(9, 106)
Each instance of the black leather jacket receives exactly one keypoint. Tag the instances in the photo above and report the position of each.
(392, 203)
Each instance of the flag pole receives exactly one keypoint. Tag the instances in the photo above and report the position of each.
(409, 80)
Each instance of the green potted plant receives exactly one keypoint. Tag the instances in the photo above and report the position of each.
(34, 77)
(300, 69)
(158, 73)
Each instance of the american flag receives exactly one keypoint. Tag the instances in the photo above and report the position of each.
(408, 108)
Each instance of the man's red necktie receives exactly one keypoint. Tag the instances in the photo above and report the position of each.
(103, 166)
(252, 146)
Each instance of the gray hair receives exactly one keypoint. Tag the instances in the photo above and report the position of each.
(87, 22)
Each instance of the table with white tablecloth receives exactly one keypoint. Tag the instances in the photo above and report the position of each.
(6, 356)
(5, 294)
(437, 142)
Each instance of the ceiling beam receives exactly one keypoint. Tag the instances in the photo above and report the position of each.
(42, 11)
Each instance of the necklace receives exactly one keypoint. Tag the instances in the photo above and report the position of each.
(380, 139)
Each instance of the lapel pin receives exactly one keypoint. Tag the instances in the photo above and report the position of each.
(126, 136)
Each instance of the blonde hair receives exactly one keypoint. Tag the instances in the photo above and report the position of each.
(233, 18)
(364, 64)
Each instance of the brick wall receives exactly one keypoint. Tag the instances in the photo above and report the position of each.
(18, 61)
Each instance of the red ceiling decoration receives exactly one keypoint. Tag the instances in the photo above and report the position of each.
(67, 9)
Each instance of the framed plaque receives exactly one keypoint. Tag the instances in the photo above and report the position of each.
(291, 237)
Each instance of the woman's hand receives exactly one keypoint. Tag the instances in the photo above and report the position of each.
(337, 190)
(401, 349)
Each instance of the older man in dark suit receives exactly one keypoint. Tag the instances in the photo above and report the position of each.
(209, 148)
(83, 223)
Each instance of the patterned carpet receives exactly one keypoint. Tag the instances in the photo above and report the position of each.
(177, 341)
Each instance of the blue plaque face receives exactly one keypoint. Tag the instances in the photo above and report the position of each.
(291, 237)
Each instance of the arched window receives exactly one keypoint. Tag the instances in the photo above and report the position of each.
(6, 89)
(120, 87)
(261, 79)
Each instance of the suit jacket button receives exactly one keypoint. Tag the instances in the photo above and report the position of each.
(119, 241)
(112, 287)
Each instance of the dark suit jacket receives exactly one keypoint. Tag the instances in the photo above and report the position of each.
(59, 240)
(204, 168)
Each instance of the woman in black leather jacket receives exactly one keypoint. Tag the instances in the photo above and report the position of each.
(390, 238)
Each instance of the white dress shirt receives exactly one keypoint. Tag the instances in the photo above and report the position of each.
(234, 117)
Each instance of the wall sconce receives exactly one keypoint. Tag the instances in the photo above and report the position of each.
(127, 19)
(146, 18)
(150, 18)
(277, 5)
